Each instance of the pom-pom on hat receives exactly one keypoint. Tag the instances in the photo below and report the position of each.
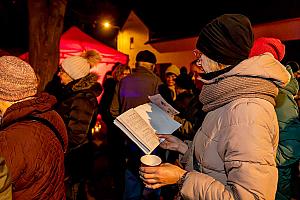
(146, 56)
(17, 79)
(226, 39)
(79, 66)
(271, 45)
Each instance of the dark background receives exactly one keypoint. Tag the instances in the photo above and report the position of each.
(166, 19)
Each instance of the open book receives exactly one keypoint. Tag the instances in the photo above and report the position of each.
(142, 123)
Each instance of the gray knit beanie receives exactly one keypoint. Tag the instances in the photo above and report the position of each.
(17, 79)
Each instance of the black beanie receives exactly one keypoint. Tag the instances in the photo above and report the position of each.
(146, 56)
(227, 39)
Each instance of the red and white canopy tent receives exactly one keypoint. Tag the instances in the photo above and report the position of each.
(74, 41)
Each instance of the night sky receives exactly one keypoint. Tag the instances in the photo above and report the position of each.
(165, 18)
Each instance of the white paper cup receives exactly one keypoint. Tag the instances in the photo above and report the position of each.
(150, 160)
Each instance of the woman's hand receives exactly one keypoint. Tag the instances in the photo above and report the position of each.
(165, 174)
(173, 143)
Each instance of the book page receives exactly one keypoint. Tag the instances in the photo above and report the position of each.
(132, 137)
(161, 103)
(158, 119)
(140, 129)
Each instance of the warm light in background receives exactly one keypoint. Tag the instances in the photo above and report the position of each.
(106, 24)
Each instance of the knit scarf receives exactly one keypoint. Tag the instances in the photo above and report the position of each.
(226, 90)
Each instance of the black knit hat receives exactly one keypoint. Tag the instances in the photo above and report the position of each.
(146, 56)
(227, 39)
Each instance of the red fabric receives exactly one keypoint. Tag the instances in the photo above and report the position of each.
(74, 41)
(271, 45)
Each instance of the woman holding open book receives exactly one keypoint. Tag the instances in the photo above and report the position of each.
(232, 156)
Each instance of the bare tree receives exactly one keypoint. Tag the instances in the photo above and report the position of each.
(46, 20)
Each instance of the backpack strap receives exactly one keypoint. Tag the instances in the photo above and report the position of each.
(43, 121)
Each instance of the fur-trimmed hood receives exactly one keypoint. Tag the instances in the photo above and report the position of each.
(88, 82)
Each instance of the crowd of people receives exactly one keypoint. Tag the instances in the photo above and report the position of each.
(238, 109)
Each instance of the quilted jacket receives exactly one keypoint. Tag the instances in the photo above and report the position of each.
(288, 152)
(234, 151)
(33, 153)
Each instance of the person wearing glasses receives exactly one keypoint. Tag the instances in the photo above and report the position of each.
(196, 71)
(78, 106)
(232, 155)
(131, 91)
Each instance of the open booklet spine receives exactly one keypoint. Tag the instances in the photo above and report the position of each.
(136, 140)
(137, 126)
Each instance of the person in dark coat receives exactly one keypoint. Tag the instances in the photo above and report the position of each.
(79, 109)
(187, 103)
(120, 71)
(167, 89)
(114, 135)
(131, 91)
(33, 137)
(79, 99)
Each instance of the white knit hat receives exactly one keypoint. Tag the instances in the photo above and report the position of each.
(76, 67)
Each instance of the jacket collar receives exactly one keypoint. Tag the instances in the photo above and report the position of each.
(38, 104)
(263, 66)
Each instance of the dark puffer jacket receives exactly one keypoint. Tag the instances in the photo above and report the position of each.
(79, 107)
(191, 115)
(32, 152)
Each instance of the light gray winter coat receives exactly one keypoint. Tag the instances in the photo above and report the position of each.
(235, 148)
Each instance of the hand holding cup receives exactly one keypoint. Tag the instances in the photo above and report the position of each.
(150, 160)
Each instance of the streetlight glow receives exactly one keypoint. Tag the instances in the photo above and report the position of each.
(106, 24)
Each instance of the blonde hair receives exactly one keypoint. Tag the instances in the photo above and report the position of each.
(4, 105)
(119, 70)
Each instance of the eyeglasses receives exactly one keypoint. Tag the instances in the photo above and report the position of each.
(199, 62)
(197, 53)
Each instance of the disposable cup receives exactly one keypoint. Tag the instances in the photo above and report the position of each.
(150, 160)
